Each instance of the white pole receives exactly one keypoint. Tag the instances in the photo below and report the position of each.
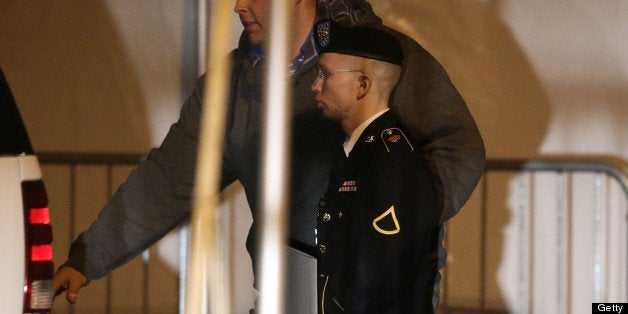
(205, 262)
(276, 159)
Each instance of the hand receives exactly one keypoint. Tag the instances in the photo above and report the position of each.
(68, 278)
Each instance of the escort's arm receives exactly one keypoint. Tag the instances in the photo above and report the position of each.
(430, 107)
(153, 200)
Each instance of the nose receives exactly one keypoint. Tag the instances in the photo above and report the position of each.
(240, 6)
(316, 85)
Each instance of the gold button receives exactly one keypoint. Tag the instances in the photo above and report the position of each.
(322, 248)
(326, 217)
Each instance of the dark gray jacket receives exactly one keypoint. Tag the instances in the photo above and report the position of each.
(156, 197)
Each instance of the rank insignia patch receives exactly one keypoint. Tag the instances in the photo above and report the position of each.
(387, 222)
(348, 186)
(322, 32)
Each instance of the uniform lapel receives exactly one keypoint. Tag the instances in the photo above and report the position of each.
(370, 137)
(347, 169)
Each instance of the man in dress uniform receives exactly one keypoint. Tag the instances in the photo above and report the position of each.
(378, 222)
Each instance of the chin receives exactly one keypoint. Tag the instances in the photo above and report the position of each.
(255, 39)
(330, 116)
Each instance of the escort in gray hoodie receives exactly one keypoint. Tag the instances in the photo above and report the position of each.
(156, 197)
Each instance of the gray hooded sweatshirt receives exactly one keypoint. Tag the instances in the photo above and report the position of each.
(156, 197)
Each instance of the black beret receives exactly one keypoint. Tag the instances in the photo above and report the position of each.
(366, 42)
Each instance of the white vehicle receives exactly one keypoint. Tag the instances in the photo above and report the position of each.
(26, 268)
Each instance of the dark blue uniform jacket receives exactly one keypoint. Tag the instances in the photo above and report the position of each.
(378, 227)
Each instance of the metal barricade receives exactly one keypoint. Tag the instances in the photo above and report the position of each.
(537, 236)
(551, 238)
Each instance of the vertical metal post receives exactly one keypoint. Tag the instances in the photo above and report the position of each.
(145, 280)
(275, 162)
(599, 240)
(184, 233)
(184, 239)
(523, 242)
(205, 268)
(562, 265)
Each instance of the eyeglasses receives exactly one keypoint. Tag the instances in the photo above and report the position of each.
(323, 73)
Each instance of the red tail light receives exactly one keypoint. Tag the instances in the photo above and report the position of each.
(39, 267)
(39, 216)
(41, 253)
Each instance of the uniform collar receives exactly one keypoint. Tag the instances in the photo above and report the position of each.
(355, 135)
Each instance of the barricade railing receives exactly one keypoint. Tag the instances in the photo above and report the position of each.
(552, 239)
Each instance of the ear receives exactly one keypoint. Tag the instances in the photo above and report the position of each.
(364, 86)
